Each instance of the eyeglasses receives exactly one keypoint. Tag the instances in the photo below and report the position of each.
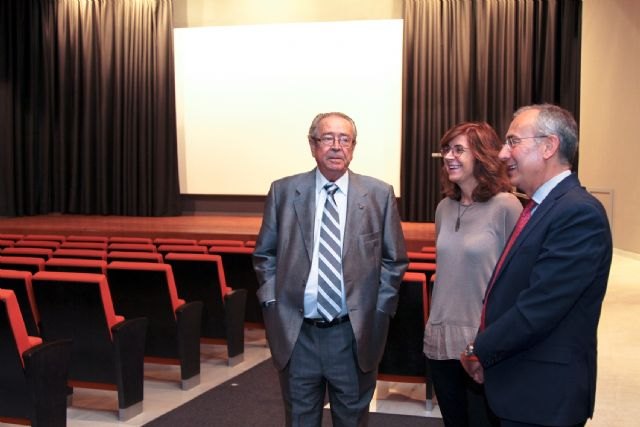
(512, 141)
(328, 140)
(457, 150)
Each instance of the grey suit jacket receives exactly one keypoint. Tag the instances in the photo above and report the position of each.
(374, 261)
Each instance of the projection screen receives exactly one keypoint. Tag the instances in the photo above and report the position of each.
(246, 95)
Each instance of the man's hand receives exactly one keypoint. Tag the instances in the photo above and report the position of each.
(472, 365)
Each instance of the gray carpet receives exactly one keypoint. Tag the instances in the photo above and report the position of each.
(253, 399)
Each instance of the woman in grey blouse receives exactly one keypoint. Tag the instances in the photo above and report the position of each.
(473, 223)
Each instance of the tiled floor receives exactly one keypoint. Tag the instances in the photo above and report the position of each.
(618, 372)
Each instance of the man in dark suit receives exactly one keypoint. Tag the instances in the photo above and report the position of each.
(321, 341)
(536, 347)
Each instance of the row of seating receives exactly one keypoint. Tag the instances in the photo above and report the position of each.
(107, 349)
(194, 277)
(398, 363)
(237, 262)
(10, 239)
(173, 303)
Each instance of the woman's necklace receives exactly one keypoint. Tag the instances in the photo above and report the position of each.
(460, 215)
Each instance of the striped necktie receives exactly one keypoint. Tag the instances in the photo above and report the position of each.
(330, 259)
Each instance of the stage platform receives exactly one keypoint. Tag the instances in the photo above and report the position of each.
(242, 227)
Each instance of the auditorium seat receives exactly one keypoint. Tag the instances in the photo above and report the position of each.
(127, 239)
(51, 237)
(173, 241)
(200, 277)
(107, 350)
(422, 256)
(250, 243)
(47, 244)
(238, 269)
(132, 247)
(20, 283)
(80, 253)
(34, 375)
(403, 359)
(76, 265)
(95, 239)
(134, 256)
(431, 249)
(6, 243)
(189, 249)
(221, 242)
(27, 252)
(428, 268)
(22, 263)
(99, 246)
(143, 289)
(11, 236)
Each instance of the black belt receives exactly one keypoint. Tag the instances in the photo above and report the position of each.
(321, 323)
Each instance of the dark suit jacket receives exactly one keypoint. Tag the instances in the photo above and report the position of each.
(539, 346)
(374, 260)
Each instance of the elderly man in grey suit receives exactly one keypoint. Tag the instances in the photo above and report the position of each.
(330, 258)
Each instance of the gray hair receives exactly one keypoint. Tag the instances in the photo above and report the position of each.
(555, 120)
(317, 119)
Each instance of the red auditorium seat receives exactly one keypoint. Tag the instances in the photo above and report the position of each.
(422, 256)
(47, 244)
(27, 252)
(107, 351)
(221, 242)
(144, 289)
(22, 263)
(134, 247)
(238, 269)
(200, 277)
(76, 265)
(99, 246)
(80, 253)
(127, 239)
(6, 243)
(173, 241)
(51, 237)
(34, 375)
(20, 283)
(189, 249)
(134, 256)
(403, 359)
(95, 239)
(11, 236)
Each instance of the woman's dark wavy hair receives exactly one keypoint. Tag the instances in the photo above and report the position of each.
(489, 170)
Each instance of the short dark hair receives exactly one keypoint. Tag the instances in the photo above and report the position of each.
(555, 120)
(317, 119)
(489, 170)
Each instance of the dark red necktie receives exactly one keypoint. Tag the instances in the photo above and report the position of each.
(522, 221)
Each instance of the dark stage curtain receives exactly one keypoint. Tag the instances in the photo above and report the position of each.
(471, 60)
(87, 108)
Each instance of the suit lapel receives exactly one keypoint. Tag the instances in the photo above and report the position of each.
(540, 213)
(304, 205)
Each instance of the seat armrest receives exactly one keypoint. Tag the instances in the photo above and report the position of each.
(189, 317)
(47, 371)
(234, 311)
(129, 342)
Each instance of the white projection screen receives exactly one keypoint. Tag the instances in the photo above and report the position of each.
(246, 95)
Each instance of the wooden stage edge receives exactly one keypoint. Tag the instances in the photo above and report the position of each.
(218, 226)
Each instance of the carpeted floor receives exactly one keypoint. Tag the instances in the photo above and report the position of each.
(253, 399)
